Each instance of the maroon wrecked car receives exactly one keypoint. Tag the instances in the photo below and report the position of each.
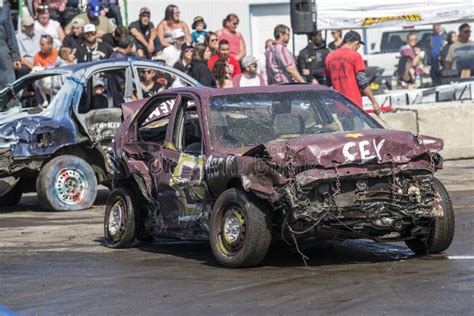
(241, 167)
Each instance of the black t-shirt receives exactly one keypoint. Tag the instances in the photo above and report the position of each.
(73, 42)
(145, 30)
(154, 90)
(101, 51)
(201, 73)
(110, 40)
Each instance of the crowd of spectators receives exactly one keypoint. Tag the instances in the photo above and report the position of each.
(58, 33)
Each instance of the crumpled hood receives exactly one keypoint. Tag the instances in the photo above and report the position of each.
(370, 146)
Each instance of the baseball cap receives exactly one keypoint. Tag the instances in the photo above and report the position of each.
(187, 46)
(27, 21)
(144, 10)
(248, 60)
(196, 20)
(89, 28)
(93, 8)
(178, 33)
(98, 83)
(352, 36)
(78, 22)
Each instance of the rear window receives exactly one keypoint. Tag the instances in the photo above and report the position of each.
(393, 41)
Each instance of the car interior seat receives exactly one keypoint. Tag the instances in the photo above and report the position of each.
(288, 124)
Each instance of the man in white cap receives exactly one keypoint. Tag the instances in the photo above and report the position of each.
(28, 43)
(92, 50)
(171, 53)
(249, 77)
(75, 39)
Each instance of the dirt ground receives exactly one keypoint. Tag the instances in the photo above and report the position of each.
(55, 262)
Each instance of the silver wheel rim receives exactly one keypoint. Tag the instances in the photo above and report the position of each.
(71, 186)
(115, 218)
(232, 227)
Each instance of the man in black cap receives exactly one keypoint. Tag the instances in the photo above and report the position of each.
(145, 35)
(345, 71)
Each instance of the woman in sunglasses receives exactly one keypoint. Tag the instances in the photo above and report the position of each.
(212, 42)
(337, 35)
(235, 39)
(150, 83)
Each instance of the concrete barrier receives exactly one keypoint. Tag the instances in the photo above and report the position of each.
(451, 121)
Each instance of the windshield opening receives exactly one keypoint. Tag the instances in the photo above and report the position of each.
(247, 120)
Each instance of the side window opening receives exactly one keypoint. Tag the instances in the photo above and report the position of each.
(107, 89)
(187, 136)
(152, 127)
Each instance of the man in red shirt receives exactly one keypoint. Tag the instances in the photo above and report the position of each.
(345, 71)
(223, 53)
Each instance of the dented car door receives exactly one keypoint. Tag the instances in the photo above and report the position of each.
(181, 190)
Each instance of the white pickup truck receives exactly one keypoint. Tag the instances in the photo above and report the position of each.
(383, 44)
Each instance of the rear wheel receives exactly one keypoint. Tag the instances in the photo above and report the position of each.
(67, 183)
(240, 229)
(442, 227)
(120, 219)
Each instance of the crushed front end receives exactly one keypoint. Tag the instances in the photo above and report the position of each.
(390, 197)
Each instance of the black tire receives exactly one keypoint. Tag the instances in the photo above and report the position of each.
(67, 183)
(253, 238)
(120, 221)
(12, 197)
(442, 228)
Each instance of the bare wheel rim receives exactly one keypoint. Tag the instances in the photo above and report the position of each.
(71, 186)
(232, 230)
(115, 217)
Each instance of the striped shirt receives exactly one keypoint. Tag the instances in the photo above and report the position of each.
(278, 57)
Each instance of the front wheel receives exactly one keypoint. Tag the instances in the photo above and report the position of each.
(67, 183)
(120, 219)
(240, 229)
(442, 227)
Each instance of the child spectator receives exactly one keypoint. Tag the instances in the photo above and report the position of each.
(199, 34)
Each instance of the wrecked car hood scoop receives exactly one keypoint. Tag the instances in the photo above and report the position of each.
(370, 146)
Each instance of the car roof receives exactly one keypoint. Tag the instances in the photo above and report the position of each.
(94, 65)
(211, 92)
(81, 69)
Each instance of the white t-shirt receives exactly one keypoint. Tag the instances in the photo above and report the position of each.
(171, 55)
(50, 29)
(461, 55)
(252, 82)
